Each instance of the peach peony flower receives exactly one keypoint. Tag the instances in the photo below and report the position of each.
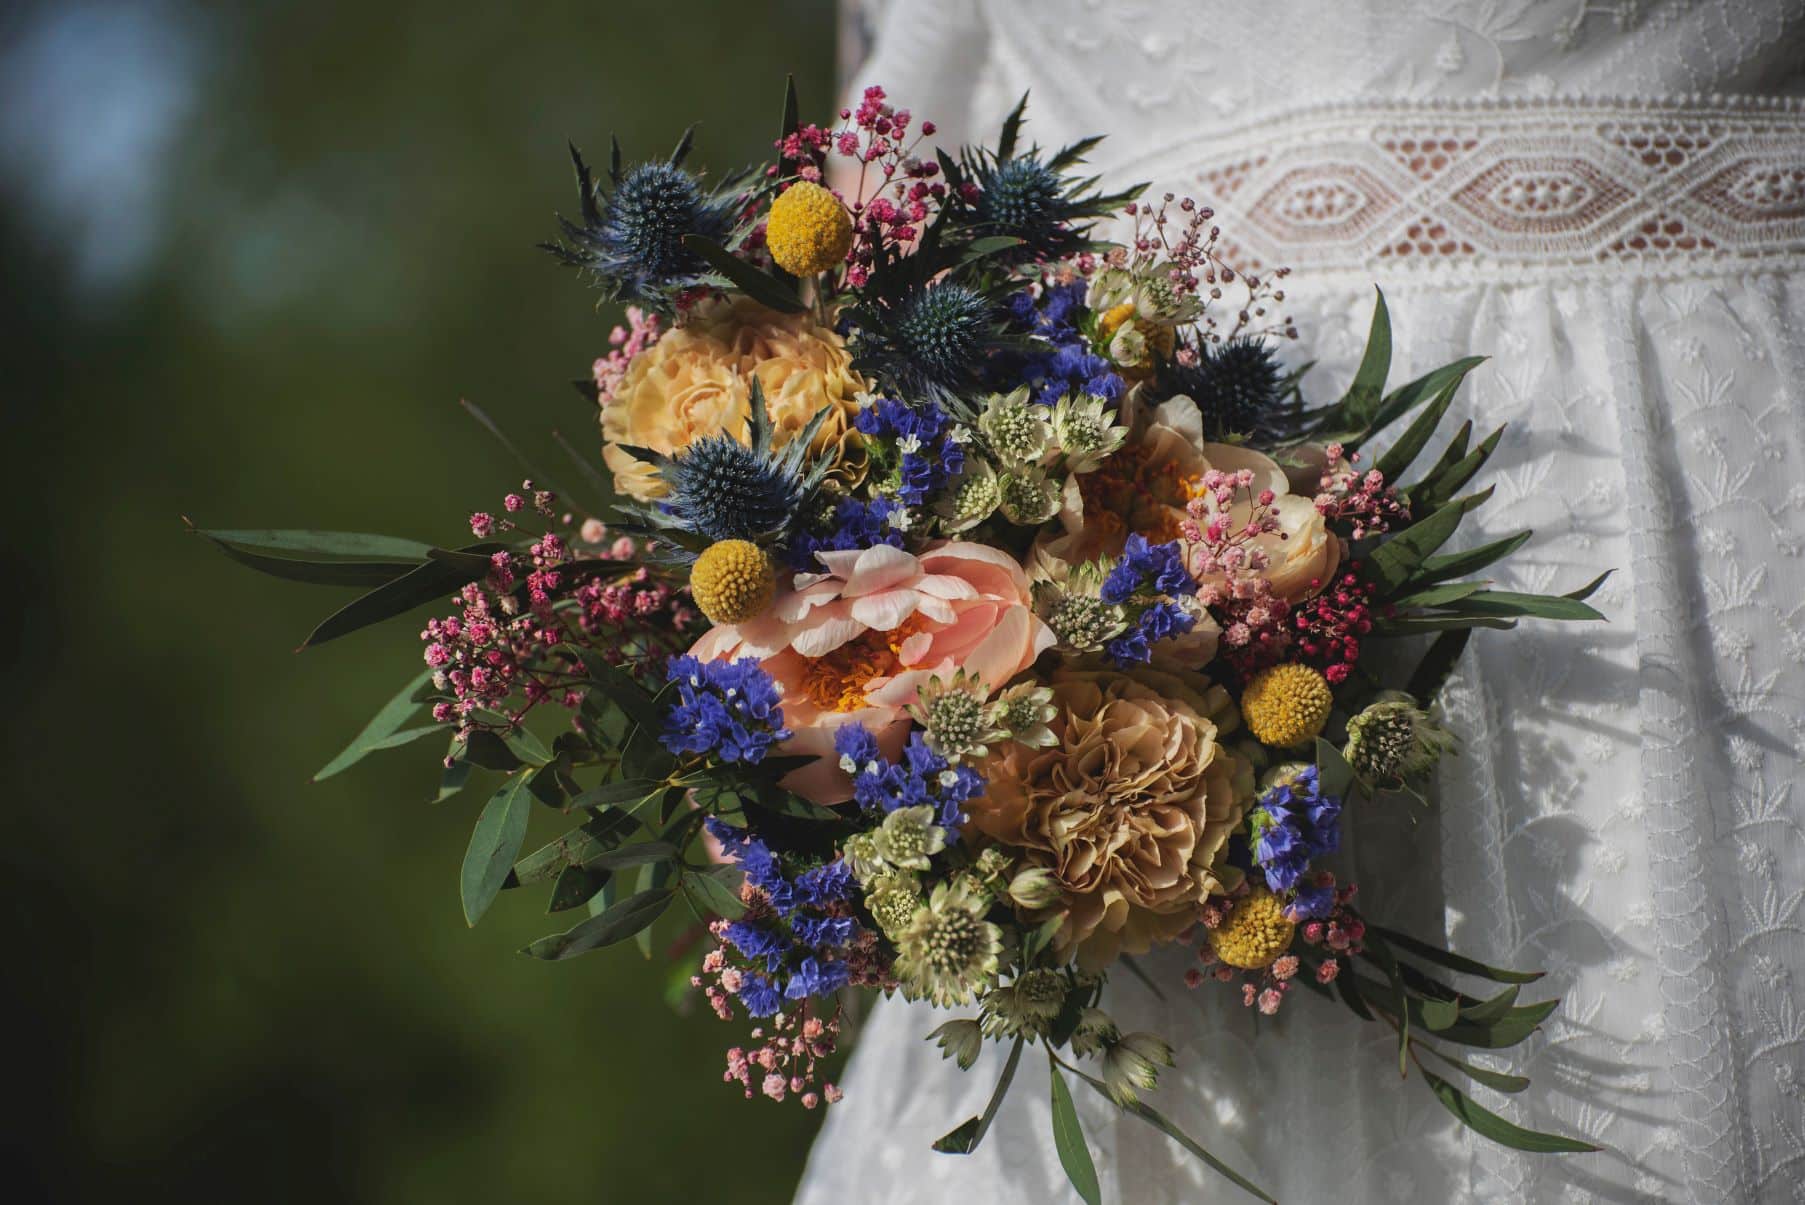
(696, 382)
(1131, 810)
(1144, 488)
(856, 644)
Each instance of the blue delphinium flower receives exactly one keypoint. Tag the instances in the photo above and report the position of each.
(801, 939)
(1158, 622)
(1294, 823)
(1157, 567)
(921, 776)
(728, 710)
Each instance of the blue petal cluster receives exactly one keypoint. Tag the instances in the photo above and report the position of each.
(932, 459)
(1159, 567)
(921, 776)
(857, 525)
(1059, 362)
(1295, 822)
(1157, 622)
(729, 710)
(796, 949)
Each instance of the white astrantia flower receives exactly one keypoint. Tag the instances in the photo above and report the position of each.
(955, 717)
(949, 953)
(970, 498)
(1027, 496)
(1084, 430)
(908, 837)
(1016, 428)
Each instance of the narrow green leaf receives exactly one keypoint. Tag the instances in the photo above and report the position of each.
(1392, 564)
(1363, 396)
(1068, 1140)
(629, 790)
(433, 581)
(1590, 588)
(1334, 775)
(317, 573)
(1431, 673)
(714, 895)
(761, 287)
(1381, 953)
(1039, 938)
(575, 887)
(1403, 453)
(1437, 596)
(1443, 566)
(527, 747)
(578, 847)
(964, 1139)
(632, 855)
(351, 545)
(1538, 606)
(1012, 128)
(1159, 1121)
(1497, 1081)
(619, 922)
(1488, 1124)
(453, 778)
(1495, 1008)
(1418, 625)
(494, 844)
(1453, 962)
(1439, 1014)
(1405, 398)
(383, 725)
(1434, 492)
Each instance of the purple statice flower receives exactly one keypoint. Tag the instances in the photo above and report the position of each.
(1159, 568)
(1158, 622)
(920, 776)
(727, 710)
(1312, 902)
(1295, 823)
(928, 456)
(798, 944)
(855, 525)
(1056, 361)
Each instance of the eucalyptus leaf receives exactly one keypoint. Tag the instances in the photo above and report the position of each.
(1068, 1141)
(575, 887)
(1497, 1081)
(385, 724)
(494, 844)
(632, 855)
(1333, 774)
(433, 581)
(714, 895)
(351, 545)
(964, 1139)
(1483, 1121)
(760, 286)
(1438, 663)
(620, 921)
(318, 573)
(1392, 564)
(1159, 1121)
(1434, 492)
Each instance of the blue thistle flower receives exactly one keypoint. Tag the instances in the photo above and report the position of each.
(722, 489)
(940, 331)
(631, 240)
(1237, 386)
(1021, 198)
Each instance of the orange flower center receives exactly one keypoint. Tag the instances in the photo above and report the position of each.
(1128, 494)
(837, 682)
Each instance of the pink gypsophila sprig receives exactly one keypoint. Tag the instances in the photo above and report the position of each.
(1363, 500)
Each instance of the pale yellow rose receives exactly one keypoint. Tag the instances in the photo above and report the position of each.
(696, 381)
(1130, 810)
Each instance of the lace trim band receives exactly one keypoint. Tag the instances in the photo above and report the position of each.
(1478, 189)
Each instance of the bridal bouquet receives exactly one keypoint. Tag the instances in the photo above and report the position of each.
(980, 605)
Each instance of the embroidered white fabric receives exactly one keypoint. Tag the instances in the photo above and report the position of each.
(1609, 200)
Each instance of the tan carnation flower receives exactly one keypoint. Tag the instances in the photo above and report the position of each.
(1131, 810)
(696, 382)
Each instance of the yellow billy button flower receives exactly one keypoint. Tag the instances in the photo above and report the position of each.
(733, 581)
(1254, 933)
(1286, 705)
(808, 231)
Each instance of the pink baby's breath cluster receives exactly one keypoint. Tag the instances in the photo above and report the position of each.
(511, 644)
(1222, 553)
(784, 1063)
(897, 190)
(643, 329)
(1362, 499)
(1189, 244)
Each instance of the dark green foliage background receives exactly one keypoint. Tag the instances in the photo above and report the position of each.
(235, 985)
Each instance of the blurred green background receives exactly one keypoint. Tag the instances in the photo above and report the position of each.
(254, 254)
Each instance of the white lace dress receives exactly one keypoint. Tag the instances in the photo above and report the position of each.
(1609, 200)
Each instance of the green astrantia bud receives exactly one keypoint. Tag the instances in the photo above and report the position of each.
(1027, 497)
(1025, 1007)
(908, 838)
(1096, 1033)
(1025, 711)
(893, 899)
(1082, 622)
(960, 1040)
(1132, 1066)
(1034, 888)
(1393, 739)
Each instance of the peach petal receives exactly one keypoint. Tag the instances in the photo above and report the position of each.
(879, 568)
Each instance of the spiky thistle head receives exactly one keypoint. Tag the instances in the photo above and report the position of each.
(1030, 195)
(631, 238)
(928, 341)
(1237, 385)
(721, 488)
